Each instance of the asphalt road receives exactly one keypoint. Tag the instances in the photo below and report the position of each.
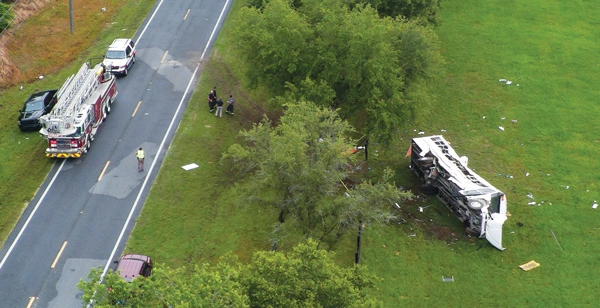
(83, 214)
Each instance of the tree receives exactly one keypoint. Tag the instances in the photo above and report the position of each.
(300, 167)
(426, 10)
(365, 65)
(304, 277)
(199, 286)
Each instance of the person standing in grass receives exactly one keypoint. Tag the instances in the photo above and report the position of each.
(219, 111)
(212, 100)
(230, 103)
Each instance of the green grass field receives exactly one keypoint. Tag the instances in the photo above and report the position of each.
(547, 47)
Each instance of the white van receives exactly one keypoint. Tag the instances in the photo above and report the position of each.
(478, 204)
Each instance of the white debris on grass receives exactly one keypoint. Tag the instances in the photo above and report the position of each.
(190, 167)
(530, 195)
(595, 205)
(500, 127)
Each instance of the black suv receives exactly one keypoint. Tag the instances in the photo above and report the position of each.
(37, 105)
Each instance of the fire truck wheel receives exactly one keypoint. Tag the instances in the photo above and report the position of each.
(88, 143)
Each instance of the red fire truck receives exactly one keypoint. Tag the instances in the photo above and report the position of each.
(84, 101)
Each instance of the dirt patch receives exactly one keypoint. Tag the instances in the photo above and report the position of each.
(247, 111)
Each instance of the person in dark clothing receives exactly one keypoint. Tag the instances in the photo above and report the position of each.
(230, 103)
(212, 101)
(219, 111)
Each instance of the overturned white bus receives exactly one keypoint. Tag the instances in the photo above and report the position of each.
(478, 204)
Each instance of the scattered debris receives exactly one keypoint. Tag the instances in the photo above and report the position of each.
(595, 205)
(514, 121)
(531, 203)
(502, 118)
(41, 77)
(529, 265)
(484, 117)
(529, 195)
(500, 128)
(519, 224)
(422, 208)
(527, 174)
(443, 130)
(189, 167)
(448, 279)
(421, 133)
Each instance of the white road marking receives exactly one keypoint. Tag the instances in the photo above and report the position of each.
(14, 243)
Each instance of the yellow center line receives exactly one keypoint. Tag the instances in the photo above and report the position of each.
(186, 14)
(136, 109)
(164, 56)
(103, 170)
(31, 300)
(58, 255)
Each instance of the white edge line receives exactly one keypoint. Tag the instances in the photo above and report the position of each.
(214, 30)
(14, 243)
(149, 21)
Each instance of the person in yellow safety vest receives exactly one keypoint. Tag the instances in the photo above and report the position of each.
(140, 158)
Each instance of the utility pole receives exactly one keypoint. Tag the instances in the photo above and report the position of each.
(71, 16)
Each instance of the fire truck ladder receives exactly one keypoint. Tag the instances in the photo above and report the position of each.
(74, 92)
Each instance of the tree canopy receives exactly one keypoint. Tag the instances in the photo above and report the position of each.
(303, 277)
(364, 64)
(304, 167)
